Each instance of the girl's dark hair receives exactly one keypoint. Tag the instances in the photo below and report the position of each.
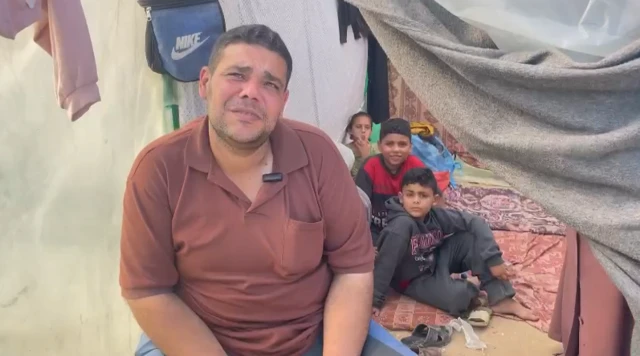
(354, 117)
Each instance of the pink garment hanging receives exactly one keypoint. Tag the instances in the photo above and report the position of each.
(61, 30)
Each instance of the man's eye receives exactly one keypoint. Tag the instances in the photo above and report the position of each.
(273, 85)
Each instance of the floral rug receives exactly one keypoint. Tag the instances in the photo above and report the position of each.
(537, 262)
(504, 209)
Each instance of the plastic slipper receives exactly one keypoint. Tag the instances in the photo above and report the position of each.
(480, 317)
(424, 336)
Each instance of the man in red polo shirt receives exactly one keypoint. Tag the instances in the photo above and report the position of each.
(243, 233)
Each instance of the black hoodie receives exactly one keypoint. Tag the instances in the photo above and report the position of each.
(406, 246)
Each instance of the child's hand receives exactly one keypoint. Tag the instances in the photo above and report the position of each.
(375, 311)
(500, 271)
(363, 146)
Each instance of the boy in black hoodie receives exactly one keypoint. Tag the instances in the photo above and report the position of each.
(422, 246)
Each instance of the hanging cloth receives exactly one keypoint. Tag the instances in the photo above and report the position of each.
(378, 86)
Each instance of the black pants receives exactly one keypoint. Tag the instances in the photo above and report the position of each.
(456, 255)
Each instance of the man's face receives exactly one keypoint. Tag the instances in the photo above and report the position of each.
(246, 94)
(417, 200)
(395, 149)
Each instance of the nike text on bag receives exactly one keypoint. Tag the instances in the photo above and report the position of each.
(180, 35)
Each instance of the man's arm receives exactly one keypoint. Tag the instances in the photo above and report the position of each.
(147, 266)
(173, 327)
(349, 250)
(347, 313)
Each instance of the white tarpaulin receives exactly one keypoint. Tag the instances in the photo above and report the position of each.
(61, 186)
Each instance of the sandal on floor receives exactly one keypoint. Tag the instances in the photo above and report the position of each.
(424, 336)
(480, 317)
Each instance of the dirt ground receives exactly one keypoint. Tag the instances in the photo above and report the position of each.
(503, 337)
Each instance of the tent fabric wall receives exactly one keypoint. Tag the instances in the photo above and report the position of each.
(190, 104)
(565, 134)
(61, 188)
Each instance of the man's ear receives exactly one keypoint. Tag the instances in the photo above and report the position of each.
(400, 197)
(205, 77)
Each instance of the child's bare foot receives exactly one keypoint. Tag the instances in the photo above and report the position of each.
(500, 271)
(510, 306)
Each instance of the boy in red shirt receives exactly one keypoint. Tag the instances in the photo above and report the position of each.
(381, 175)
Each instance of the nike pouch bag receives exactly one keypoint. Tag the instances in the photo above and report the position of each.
(180, 35)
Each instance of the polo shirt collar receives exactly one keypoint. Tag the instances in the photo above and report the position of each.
(289, 153)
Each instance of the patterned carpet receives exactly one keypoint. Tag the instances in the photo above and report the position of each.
(504, 209)
(537, 261)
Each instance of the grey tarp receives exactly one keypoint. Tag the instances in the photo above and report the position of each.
(565, 134)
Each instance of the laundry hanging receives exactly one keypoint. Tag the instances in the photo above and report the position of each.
(349, 15)
(61, 30)
(378, 86)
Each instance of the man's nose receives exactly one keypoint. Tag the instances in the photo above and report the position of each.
(250, 89)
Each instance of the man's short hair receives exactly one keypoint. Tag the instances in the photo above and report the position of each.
(259, 35)
(395, 126)
(422, 176)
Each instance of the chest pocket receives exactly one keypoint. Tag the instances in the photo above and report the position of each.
(303, 247)
(304, 233)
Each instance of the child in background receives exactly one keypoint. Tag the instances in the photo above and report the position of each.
(422, 246)
(380, 175)
(359, 131)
